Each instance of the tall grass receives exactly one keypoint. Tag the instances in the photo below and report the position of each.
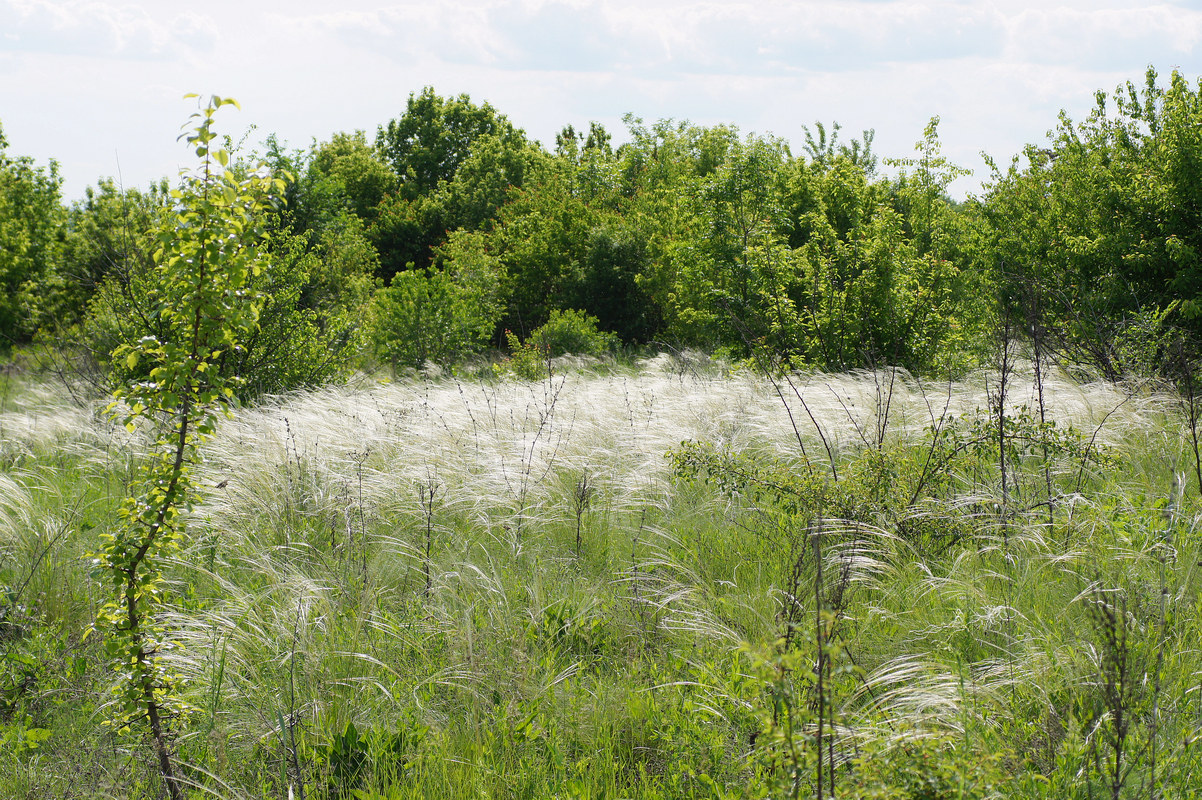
(395, 588)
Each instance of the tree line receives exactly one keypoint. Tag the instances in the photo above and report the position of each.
(452, 233)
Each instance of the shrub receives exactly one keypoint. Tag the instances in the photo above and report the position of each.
(440, 314)
(565, 332)
(572, 332)
(308, 329)
(925, 768)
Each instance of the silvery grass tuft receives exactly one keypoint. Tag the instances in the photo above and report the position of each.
(327, 588)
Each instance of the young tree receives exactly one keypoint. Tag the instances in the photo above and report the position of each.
(205, 308)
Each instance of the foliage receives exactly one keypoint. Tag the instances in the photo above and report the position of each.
(810, 264)
(487, 179)
(873, 299)
(405, 233)
(572, 332)
(308, 329)
(542, 238)
(30, 217)
(824, 148)
(922, 193)
(310, 325)
(720, 279)
(802, 677)
(879, 590)
(442, 314)
(205, 307)
(352, 759)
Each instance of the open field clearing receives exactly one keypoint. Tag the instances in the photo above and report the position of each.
(858, 585)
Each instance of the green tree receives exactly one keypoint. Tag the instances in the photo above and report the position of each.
(496, 169)
(443, 313)
(405, 233)
(824, 148)
(314, 299)
(456, 163)
(616, 258)
(542, 239)
(205, 308)
(672, 155)
(344, 175)
(427, 144)
(716, 296)
(659, 173)
(921, 191)
(315, 295)
(1103, 227)
(871, 298)
(566, 242)
(30, 247)
(108, 235)
(359, 177)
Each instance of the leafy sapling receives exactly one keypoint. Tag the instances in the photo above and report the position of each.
(205, 308)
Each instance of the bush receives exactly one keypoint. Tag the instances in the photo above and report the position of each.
(308, 331)
(572, 332)
(441, 314)
(925, 768)
(565, 332)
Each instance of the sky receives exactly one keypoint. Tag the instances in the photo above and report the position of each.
(98, 85)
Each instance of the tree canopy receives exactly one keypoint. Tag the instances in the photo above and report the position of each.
(690, 235)
(31, 218)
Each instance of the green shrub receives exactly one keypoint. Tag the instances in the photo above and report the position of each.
(925, 768)
(573, 332)
(441, 314)
(308, 328)
(570, 331)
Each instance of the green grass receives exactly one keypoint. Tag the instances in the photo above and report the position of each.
(976, 650)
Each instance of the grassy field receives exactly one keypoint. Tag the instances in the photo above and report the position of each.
(843, 586)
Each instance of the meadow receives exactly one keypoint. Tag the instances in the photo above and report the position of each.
(675, 578)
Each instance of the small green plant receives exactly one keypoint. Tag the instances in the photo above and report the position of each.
(565, 332)
(356, 764)
(205, 263)
(802, 678)
(23, 736)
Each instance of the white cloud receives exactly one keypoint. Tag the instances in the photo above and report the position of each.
(1103, 39)
(86, 27)
(997, 71)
